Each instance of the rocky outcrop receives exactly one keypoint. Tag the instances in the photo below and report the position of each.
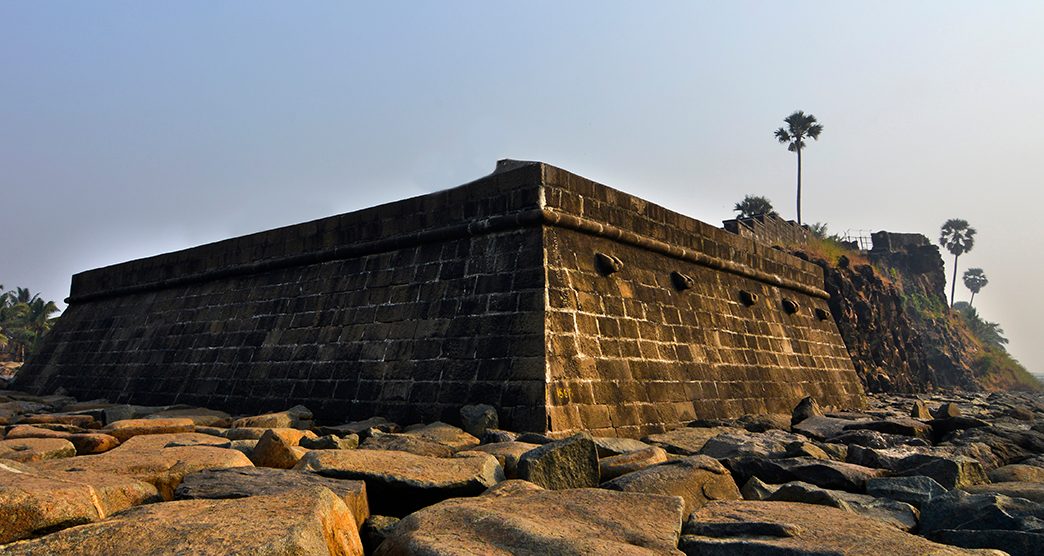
(894, 318)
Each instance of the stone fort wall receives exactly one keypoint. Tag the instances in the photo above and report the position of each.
(565, 303)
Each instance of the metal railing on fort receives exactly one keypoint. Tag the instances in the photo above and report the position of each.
(860, 238)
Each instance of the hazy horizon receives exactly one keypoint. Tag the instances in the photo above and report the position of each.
(131, 130)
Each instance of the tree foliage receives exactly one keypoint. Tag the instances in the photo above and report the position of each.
(25, 318)
(958, 237)
(754, 205)
(989, 333)
(975, 279)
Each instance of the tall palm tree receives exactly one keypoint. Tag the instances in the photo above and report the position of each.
(975, 280)
(958, 237)
(800, 126)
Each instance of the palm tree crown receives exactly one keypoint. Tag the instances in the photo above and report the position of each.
(754, 205)
(800, 126)
(958, 237)
(975, 280)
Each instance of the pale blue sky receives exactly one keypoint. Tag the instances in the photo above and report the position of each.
(133, 128)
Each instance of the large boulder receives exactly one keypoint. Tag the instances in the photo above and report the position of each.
(127, 428)
(806, 408)
(696, 479)
(399, 482)
(92, 443)
(609, 446)
(361, 428)
(1019, 473)
(201, 416)
(770, 444)
(1015, 525)
(240, 482)
(36, 449)
(82, 421)
(279, 448)
(581, 521)
(903, 426)
(448, 435)
(824, 473)
(821, 427)
(297, 417)
(615, 466)
(950, 472)
(874, 439)
(145, 458)
(568, 463)
(406, 443)
(915, 491)
(727, 528)
(33, 502)
(507, 453)
(30, 431)
(688, 441)
(1012, 489)
(479, 418)
(309, 521)
(960, 510)
(895, 513)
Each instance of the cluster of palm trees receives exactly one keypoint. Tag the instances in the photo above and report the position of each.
(24, 319)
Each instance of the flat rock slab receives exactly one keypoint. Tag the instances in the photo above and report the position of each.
(448, 435)
(821, 427)
(83, 421)
(30, 431)
(1007, 473)
(904, 426)
(614, 466)
(32, 502)
(36, 449)
(1012, 489)
(297, 417)
(727, 528)
(240, 482)
(915, 491)
(612, 446)
(400, 482)
(202, 417)
(164, 468)
(688, 441)
(580, 521)
(696, 479)
(302, 521)
(893, 512)
(824, 473)
(125, 429)
(407, 443)
(768, 444)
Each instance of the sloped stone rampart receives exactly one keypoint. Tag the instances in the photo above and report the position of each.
(493, 292)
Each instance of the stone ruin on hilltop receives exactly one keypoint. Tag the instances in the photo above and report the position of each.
(564, 303)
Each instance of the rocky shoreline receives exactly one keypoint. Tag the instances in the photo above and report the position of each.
(956, 473)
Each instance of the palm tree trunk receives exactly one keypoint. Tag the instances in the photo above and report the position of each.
(953, 287)
(972, 302)
(799, 184)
